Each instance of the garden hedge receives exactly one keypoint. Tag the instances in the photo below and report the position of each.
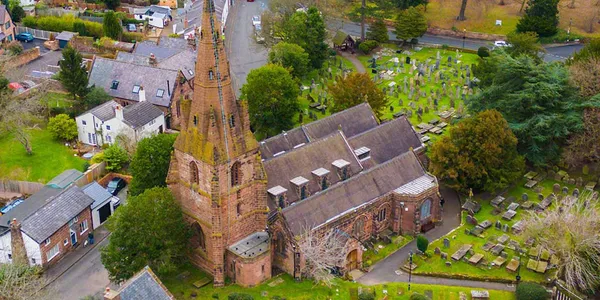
(531, 291)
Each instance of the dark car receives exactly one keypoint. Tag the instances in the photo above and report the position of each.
(24, 37)
(115, 185)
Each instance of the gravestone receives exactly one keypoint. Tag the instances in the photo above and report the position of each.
(571, 181)
(429, 294)
(556, 188)
(565, 190)
(579, 182)
(505, 228)
(540, 197)
(524, 197)
(576, 192)
(446, 243)
(444, 255)
(472, 220)
(503, 254)
(448, 264)
(498, 224)
(437, 250)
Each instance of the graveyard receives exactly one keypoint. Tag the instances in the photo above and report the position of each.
(488, 244)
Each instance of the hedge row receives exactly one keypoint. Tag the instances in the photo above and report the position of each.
(64, 23)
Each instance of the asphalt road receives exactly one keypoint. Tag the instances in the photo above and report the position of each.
(35, 43)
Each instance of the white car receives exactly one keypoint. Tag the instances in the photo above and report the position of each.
(258, 34)
(256, 20)
(501, 44)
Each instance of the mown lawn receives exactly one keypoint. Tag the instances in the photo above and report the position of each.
(370, 257)
(284, 286)
(49, 158)
(58, 100)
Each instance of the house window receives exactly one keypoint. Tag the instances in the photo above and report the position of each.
(194, 176)
(73, 221)
(10, 38)
(426, 209)
(160, 93)
(65, 242)
(114, 85)
(198, 239)
(358, 227)
(381, 215)
(152, 122)
(136, 89)
(9, 256)
(303, 192)
(83, 122)
(281, 201)
(109, 139)
(47, 242)
(7, 25)
(53, 252)
(107, 127)
(83, 227)
(235, 174)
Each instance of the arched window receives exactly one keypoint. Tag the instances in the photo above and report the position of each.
(232, 121)
(239, 209)
(198, 239)
(426, 209)
(303, 192)
(280, 244)
(236, 177)
(382, 214)
(194, 176)
(281, 201)
(324, 184)
(358, 227)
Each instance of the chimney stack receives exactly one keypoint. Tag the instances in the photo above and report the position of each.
(152, 60)
(142, 94)
(111, 295)
(19, 253)
(119, 112)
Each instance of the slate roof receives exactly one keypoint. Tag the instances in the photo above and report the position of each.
(141, 113)
(55, 212)
(351, 121)
(359, 190)
(65, 36)
(386, 141)
(29, 206)
(306, 159)
(144, 286)
(65, 178)
(105, 71)
(104, 111)
(133, 58)
(184, 61)
(174, 43)
(2, 14)
(96, 192)
(147, 47)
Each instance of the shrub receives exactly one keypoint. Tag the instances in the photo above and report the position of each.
(115, 157)
(483, 52)
(531, 291)
(15, 48)
(132, 37)
(417, 296)
(62, 127)
(239, 296)
(422, 243)
(367, 46)
(98, 158)
(366, 295)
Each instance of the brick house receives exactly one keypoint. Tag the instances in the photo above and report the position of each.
(164, 70)
(7, 27)
(46, 226)
(250, 203)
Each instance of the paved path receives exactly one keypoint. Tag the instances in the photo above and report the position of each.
(385, 270)
(352, 58)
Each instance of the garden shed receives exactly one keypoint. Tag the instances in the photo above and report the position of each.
(64, 37)
(343, 41)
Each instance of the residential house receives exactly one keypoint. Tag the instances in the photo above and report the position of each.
(103, 123)
(143, 285)
(168, 3)
(48, 224)
(189, 17)
(102, 208)
(157, 16)
(7, 27)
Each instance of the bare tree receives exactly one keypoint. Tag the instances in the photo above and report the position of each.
(586, 75)
(461, 14)
(572, 232)
(19, 113)
(322, 252)
(21, 282)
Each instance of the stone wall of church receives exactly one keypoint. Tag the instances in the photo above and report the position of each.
(248, 272)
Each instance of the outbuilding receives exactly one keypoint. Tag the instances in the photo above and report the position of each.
(102, 208)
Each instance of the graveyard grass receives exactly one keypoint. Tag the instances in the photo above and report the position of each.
(370, 257)
(286, 287)
(429, 86)
(436, 266)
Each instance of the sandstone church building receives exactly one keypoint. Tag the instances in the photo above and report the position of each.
(249, 203)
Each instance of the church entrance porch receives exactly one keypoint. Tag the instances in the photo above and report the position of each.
(352, 260)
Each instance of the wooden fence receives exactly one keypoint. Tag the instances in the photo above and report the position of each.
(37, 33)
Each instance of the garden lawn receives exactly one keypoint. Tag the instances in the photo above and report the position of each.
(436, 265)
(49, 158)
(286, 287)
(58, 100)
(370, 257)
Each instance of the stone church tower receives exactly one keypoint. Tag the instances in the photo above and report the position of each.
(216, 172)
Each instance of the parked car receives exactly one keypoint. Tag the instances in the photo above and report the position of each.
(255, 20)
(131, 28)
(257, 32)
(24, 37)
(116, 185)
(501, 44)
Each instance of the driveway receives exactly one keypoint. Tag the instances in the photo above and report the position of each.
(43, 66)
(35, 43)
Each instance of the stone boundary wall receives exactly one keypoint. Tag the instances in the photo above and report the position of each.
(23, 58)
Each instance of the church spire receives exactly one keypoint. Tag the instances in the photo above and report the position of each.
(216, 126)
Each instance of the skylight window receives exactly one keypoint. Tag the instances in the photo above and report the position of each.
(114, 85)
(136, 89)
(191, 72)
(160, 93)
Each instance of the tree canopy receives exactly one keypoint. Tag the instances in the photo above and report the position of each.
(112, 4)
(541, 16)
(378, 31)
(411, 23)
(73, 74)
(150, 163)
(291, 57)
(479, 153)
(159, 240)
(112, 25)
(525, 43)
(116, 157)
(590, 50)
(584, 147)
(17, 13)
(62, 127)
(355, 89)
(538, 101)
(272, 96)
(95, 97)
(308, 31)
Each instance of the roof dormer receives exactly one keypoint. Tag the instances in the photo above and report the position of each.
(321, 175)
(362, 153)
(342, 167)
(301, 184)
(279, 193)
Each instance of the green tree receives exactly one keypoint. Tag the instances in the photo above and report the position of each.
(404, 4)
(95, 97)
(411, 24)
(73, 74)
(112, 4)
(62, 127)
(272, 96)
(422, 243)
(115, 157)
(112, 26)
(3, 84)
(590, 50)
(378, 31)
(159, 238)
(531, 291)
(17, 13)
(541, 16)
(483, 52)
(150, 163)
(79, 27)
(291, 57)
(479, 152)
(355, 89)
(524, 43)
(367, 46)
(308, 31)
(538, 101)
